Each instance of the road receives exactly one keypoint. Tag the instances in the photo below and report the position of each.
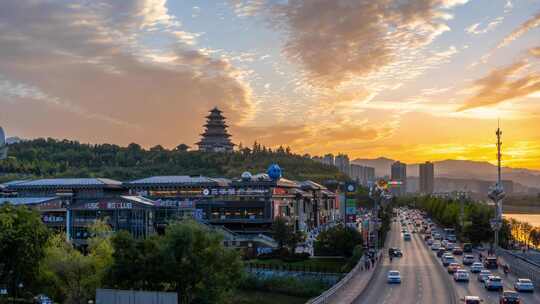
(424, 279)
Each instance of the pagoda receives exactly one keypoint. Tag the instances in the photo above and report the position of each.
(215, 137)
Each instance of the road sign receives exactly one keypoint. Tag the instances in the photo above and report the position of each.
(495, 224)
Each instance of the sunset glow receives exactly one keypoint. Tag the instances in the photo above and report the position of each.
(410, 80)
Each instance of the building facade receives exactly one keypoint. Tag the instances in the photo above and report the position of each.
(343, 164)
(427, 178)
(399, 177)
(362, 175)
(243, 209)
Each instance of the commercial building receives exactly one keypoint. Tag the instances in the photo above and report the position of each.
(399, 178)
(242, 208)
(427, 178)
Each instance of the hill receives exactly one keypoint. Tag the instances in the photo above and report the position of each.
(66, 158)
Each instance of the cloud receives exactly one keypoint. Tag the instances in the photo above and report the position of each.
(535, 52)
(336, 41)
(530, 24)
(247, 8)
(476, 29)
(503, 84)
(84, 59)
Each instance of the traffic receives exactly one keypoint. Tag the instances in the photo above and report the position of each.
(478, 277)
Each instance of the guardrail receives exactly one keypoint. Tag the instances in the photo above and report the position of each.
(326, 296)
(521, 267)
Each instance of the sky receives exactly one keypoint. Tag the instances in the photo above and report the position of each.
(413, 80)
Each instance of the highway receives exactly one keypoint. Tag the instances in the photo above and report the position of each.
(424, 279)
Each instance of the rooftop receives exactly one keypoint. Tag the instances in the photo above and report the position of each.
(174, 180)
(26, 200)
(65, 182)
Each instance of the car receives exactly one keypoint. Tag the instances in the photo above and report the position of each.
(450, 246)
(441, 252)
(404, 230)
(395, 252)
(452, 267)
(468, 259)
(457, 251)
(477, 267)
(430, 242)
(472, 300)
(393, 277)
(407, 236)
(461, 275)
(524, 285)
(483, 275)
(451, 237)
(435, 246)
(493, 283)
(448, 259)
(490, 263)
(509, 297)
(467, 247)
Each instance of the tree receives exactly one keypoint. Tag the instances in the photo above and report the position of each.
(22, 239)
(281, 232)
(70, 276)
(197, 265)
(182, 148)
(339, 240)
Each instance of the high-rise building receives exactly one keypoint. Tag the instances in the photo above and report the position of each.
(427, 177)
(215, 137)
(362, 174)
(399, 174)
(342, 163)
(3, 145)
(328, 159)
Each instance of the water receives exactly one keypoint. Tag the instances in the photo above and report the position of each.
(533, 219)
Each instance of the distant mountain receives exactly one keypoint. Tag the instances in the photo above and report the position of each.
(460, 169)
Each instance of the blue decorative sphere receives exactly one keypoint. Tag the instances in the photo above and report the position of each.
(274, 171)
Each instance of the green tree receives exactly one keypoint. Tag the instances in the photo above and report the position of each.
(338, 240)
(281, 232)
(197, 265)
(70, 276)
(22, 240)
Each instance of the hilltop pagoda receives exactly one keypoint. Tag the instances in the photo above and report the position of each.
(215, 137)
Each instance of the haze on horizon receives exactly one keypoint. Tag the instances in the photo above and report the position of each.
(411, 80)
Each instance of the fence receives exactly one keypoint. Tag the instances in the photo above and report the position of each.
(521, 267)
(115, 296)
(289, 267)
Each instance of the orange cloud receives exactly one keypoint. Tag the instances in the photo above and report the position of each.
(521, 30)
(501, 85)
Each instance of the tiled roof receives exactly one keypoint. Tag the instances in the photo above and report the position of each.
(26, 200)
(176, 179)
(139, 199)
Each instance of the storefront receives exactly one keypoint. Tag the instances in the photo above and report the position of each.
(130, 213)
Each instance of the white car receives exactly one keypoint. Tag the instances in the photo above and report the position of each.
(493, 283)
(477, 267)
(524, 285)
(461, 275)
(436, 246)
(483, 275)
(394, 277)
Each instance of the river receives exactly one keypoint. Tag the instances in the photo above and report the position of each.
(533, 219)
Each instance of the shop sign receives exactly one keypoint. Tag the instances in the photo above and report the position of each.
(52, 219)
(174, 203)
(108, 205)
(279, 191)
(50, 205)
(234, 191)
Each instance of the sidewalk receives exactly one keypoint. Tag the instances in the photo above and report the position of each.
(356, 284)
